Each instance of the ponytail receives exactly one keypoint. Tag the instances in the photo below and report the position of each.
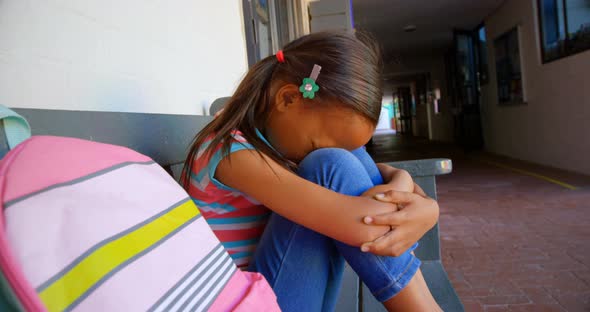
(246, 111)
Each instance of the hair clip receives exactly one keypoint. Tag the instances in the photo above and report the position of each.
(280, 56)
(309, 87)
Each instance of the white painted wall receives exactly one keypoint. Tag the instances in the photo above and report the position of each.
(553, 129)
(158, 56)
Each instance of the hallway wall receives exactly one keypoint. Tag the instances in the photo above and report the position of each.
(129, 56)
(553, 128)
(442, 123)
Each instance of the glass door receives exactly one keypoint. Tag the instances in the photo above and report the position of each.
(405, 110)
(467, 109)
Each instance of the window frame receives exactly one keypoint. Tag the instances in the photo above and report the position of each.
(503, 38)
(544, 58)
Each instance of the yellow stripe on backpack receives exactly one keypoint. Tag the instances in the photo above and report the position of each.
(88, 273)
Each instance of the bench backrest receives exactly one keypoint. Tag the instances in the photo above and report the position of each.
(165, 139)
(162, 137)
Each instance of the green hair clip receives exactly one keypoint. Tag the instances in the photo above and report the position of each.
(309, 87)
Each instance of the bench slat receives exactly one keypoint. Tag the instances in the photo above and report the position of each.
(163, 137)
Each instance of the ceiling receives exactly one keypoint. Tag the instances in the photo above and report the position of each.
(434, 21)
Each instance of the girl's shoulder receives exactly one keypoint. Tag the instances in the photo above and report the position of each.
(205, 164)
(236, 136)
(238, 142)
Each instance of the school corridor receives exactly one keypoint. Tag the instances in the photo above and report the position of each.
(514, 236)
(492, 77)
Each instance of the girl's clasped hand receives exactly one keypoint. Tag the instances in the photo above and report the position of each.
(413, 215)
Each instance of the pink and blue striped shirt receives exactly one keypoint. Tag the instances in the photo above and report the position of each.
(236, 219)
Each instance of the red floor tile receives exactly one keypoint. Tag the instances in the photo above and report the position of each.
(510, 242)
(513, 242)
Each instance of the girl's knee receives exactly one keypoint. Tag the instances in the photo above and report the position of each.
(329, 154)
(328, 159)
(334, 167)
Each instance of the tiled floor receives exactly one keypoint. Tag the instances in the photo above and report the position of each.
(510, 242)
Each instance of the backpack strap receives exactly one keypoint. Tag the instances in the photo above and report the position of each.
(13, 130)
(8, 299)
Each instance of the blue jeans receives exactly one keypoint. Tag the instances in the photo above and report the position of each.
(304, 267)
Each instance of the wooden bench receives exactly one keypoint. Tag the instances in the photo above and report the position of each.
(165, 139)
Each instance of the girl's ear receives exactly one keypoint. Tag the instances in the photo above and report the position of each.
(287, 97)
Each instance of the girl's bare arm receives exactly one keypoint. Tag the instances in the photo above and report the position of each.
(397, 179)
(394, 179)
(318, 208)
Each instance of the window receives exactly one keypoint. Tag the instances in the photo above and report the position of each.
(565, 27)
(262, 28)
(281, 16)
(508, 68)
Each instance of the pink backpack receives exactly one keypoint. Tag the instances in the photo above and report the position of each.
(95, 227)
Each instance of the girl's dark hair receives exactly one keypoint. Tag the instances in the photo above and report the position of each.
(351, 75)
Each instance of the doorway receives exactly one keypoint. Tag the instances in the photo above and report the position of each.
(405, 110)
(468, 131)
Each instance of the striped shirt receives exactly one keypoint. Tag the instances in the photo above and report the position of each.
(237, 219)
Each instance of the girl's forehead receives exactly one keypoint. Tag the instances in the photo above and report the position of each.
(344, 117)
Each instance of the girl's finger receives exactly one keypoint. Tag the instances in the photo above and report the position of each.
(383, 246)
(395, 197)
(374, 246)
(418, 190)
(379, 189)
(390, 218)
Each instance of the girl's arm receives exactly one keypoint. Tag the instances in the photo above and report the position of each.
(397, 179)
(306, 203)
